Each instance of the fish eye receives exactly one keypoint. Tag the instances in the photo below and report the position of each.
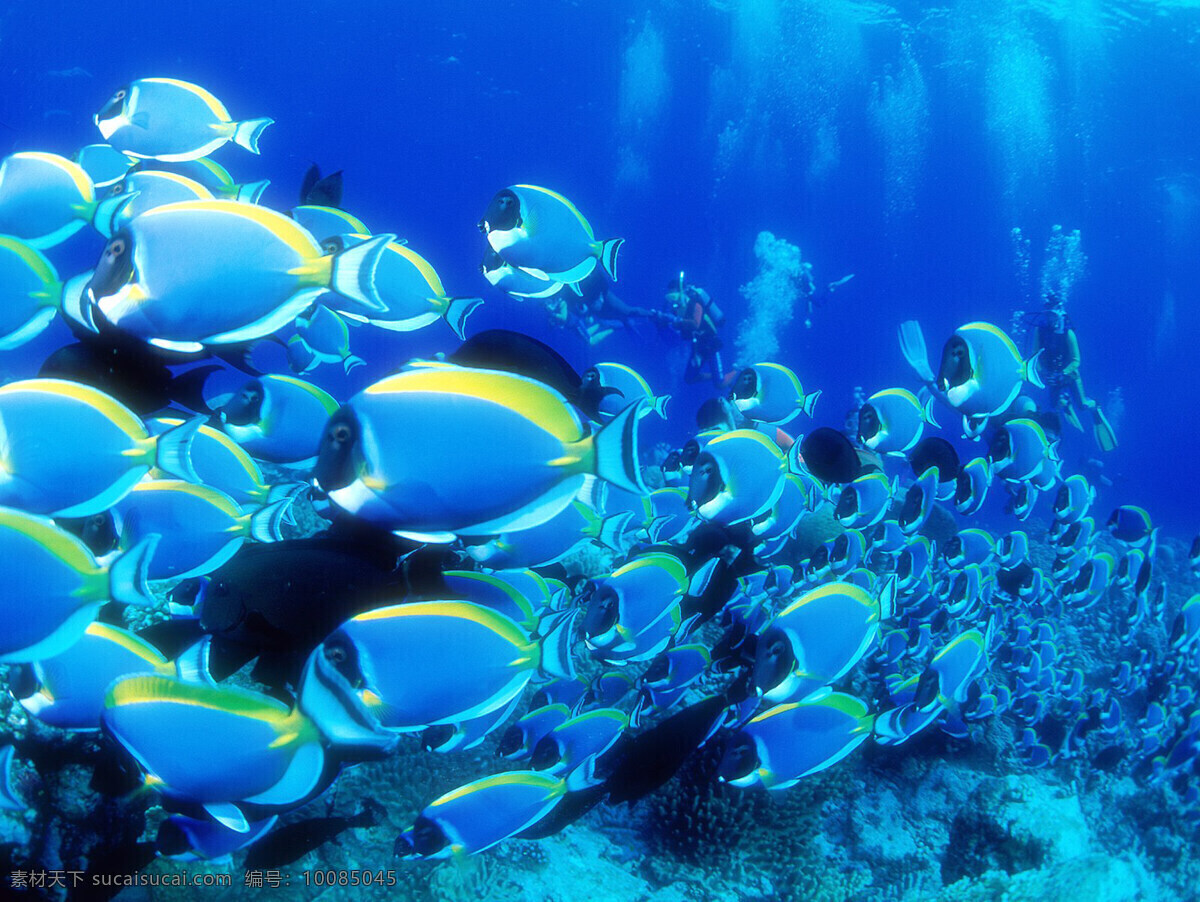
(115, 249)
(120, 95)
(329, 247)
(118, 188)
(340, 433)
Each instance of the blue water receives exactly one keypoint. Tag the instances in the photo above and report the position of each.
(901, 144)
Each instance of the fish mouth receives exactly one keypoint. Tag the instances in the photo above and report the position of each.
(484, 226)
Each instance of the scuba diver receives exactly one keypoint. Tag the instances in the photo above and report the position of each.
(696, 316)
(596, 310)
(1059, 366)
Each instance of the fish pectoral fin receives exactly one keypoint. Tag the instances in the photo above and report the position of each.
(283, 739)
(228, 815)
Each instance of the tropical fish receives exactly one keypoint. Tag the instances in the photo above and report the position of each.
(216, 746)
(629, 386)
(788, 742)
(69, 450)
(571, 749)
(200, 528)
(277, 418)
(865, 500)
(168, 119)
(145, 191)
(892, 421)
(68, 688)
(508, 453)
(816, 640)
(411, 292)
(971, 485)
(982, 373)
(45, 199)
(522, 738)
(321, 337)
(423, 663)
(1020, 450)
(30, 291)
(1131, 524)
(623, 608)
(738, 476)
(466, 734)
(542, 233)
(221, 463)
(183, 838)
(770, 393)
(480, 814)
(159, 275)
(1074, 498)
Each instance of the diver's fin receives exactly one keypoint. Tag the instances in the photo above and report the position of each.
(912, 346)
(1069, 413)
(1105, 437)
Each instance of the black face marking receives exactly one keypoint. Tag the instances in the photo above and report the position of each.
(847, 505)
(914, 500)
(956, 364)
(1001, 446)
(427, 837)
(602, 612)
(546, 754)
(341, 652)
(115, 104)
(502, 214)
(706, 482)
(927, 691)
(115, 269)
(740, 758)
(1062, 500)
(773, 661)
(337, 456)
(245, 407)
(746, 384)
(868, 423)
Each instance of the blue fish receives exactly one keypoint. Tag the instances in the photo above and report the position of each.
(425, 663)
(789, 742)
(522, 738)
(477, 816)
(816, 640)
(737, 476)
(572, 748)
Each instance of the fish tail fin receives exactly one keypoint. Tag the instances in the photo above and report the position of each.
(557, 632)
(809, 402)
(927, 412)
(1030, 371)
(887, 599)
(250, 192)
(76, 305)
(593, 493)
(173, 450)
(266, 524)
(610, 530)
(456, 313)
(247, 132)
(574, 286)
(351, 362)
(617, 451)
(660, 405)
(192, 664)
(128, 574)
(608, 256)
(353, 273)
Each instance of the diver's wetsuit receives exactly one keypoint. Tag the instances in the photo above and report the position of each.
(1060, 361)
(706, 344)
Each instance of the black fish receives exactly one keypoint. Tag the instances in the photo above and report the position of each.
(320, 191)
(512, 352)
(830, 456)
(131, 371)
(932, 451)
(284, 845)
(279, 601)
